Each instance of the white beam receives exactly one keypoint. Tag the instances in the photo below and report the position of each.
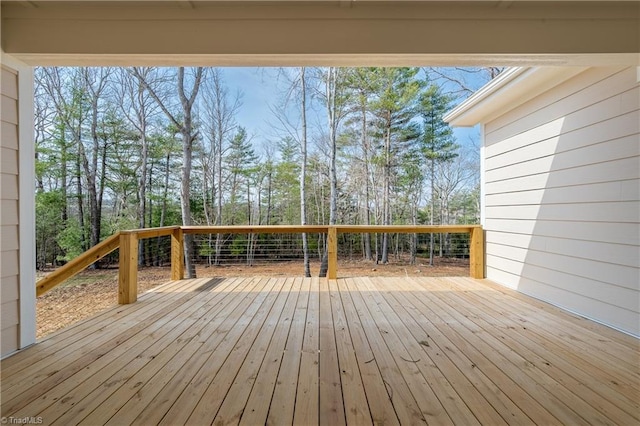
(295, 32)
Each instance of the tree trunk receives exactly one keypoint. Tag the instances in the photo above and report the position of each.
(80, 196)
(95, 175)
(64, 185)
(331, 92)
(187, 157)
(218, 166)
(90, 173)
(303, 172)
(163, 209)
(367, 211)
(251, 237)
(269, 190)
(433, 207)
(185, 206)
(149, 211)
(414, 237)
(142, 192)
(387, 194)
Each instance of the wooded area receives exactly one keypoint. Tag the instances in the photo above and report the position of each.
(123, 148)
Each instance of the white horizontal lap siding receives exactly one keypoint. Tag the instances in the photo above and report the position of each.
(562, 203)
(582, 91)
(610, 171)
(605, 152)
(628, 190)
(9, 190)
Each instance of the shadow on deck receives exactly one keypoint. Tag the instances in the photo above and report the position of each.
(310, 351)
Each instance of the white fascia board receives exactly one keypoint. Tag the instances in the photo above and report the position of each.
(506, 92)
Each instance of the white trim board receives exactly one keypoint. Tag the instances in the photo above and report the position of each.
(512, 88)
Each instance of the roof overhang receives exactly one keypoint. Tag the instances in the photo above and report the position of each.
(362, 32)
(510, 89)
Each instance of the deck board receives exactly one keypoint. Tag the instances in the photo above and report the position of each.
(308, 392)
(283, 400)
(262, 390)
(525, 375)
(410, 385)
(139, 357)
(331, 405)
(266, 350)
(379, 400)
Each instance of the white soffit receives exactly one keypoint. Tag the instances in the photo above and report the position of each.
(510, 89)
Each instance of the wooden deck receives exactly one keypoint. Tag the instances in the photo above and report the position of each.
(311, 351)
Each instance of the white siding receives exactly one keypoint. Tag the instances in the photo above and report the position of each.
(17, 204)
(9, 253)
(562, 203)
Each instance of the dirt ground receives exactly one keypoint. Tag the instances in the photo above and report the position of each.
(93, 291)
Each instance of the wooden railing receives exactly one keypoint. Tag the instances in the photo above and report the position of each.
(127, 242)
(78, 264)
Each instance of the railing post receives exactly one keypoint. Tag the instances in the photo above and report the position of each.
(476, 253)
(332, 251)
(177, 254)
(128, 268)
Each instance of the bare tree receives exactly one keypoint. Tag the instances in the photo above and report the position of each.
(184, 122)
(335, 103)
(95, 81)
(461, 82)
(220, 110)
(303, 169)
(362, 88)
(78, 96)
(137, 107)
(297, 90)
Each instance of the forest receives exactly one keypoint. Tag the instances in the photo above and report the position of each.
(125, 148)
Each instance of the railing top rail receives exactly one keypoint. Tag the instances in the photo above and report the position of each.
(76, 265)
(274, 229)
(152, 232)
(255, 229)
(417, 229)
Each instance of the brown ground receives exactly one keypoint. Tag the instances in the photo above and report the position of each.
(93, 291)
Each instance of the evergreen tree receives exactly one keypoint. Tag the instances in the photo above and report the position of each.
(394, 106)
(286, 194)
(437, 141)
(240, 163)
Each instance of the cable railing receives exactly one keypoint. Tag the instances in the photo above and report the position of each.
(250, 245)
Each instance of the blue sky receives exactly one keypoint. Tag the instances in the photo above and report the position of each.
(260, 91)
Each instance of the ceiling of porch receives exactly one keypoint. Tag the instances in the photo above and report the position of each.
(262, 33)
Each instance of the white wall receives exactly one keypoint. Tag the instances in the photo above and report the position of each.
(562, 204)
(9, 253)
(17, 242)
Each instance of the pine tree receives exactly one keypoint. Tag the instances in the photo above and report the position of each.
(240, 163)
(437, 141)
(395, 107)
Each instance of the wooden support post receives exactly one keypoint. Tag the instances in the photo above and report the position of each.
(128, 268)
(177, 254)
(332, 251)
(476, 253)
